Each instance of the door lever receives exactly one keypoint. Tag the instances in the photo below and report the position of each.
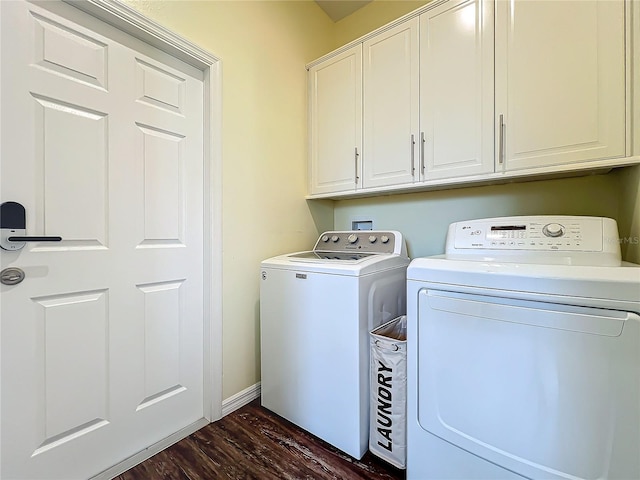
(34, 239)
(13, 220)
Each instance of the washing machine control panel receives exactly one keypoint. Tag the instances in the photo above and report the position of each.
(566, 236)
(363, 241)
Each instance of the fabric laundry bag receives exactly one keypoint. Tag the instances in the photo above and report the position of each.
(388, 412)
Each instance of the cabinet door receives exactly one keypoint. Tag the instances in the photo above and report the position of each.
(560, 82)
(456, 89)
(335, 122)
(391, 114)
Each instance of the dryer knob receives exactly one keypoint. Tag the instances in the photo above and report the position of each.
(384, 239)
(334, 238)
(353, 238)
(325, 238)
(553, 230)
(372, 239)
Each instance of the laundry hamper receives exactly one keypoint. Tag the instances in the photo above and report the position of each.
(388, 374)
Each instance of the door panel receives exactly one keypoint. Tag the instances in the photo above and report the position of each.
(75, 394)
(162, 155)
(63, 50)
(162, 313)
(73, 144)
(159, 87)
(102, 342)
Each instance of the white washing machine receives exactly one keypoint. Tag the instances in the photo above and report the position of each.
(316, 311)
(524, 353)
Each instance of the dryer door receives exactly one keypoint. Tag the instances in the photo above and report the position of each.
(545, 390)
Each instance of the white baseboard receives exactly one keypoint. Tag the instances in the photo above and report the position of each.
(240, 399)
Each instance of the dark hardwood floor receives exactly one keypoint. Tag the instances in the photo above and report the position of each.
(254, 443)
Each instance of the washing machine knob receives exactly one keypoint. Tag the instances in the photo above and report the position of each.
(334, 238)
(353, 238)
(325, 238)
(372, 239)
(384, 239)
(553, 230)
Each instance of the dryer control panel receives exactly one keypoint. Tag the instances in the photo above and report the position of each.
(568, 239)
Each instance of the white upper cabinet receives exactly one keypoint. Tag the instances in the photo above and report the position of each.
(391, 108)
(335, 122)
(468, 91)
(560, 82)
(456, 90)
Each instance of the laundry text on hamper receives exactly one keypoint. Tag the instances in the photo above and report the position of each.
(384, 406)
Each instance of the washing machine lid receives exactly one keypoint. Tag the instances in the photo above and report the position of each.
(320, 256)
(349, 264)
(348, 253)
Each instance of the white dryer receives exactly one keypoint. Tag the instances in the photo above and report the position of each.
(316, 311)
(524, 353)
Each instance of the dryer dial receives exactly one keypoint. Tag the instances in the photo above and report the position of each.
(553, 230)
(335, 238)
(372, 239)
(325, 238)
(353, 238)
(384, 239)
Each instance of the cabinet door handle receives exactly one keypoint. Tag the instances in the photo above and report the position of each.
(413, 166)
(356, 164)
(501, 141)
(422, 145)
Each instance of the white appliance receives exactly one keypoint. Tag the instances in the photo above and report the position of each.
(316, 311)
(524, 353)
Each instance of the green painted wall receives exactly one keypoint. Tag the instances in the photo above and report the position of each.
(423, 218)
(629, 213)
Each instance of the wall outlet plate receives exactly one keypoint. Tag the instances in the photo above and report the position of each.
(362, 225)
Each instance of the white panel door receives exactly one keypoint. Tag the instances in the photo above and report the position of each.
(102, 142)
(335, 122)
(391, 110)
(456, 89)
(560, 82)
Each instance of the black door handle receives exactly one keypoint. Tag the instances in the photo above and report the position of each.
(13, 223)
(34, 239)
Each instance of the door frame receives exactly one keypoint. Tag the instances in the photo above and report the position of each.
(130, 21)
